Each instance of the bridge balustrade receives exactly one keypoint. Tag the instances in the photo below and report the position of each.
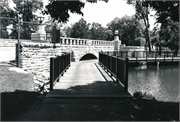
(58, 65)
(77, 41)
(117, 67)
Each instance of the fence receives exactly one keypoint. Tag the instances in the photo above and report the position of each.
(143, 54)
(58, 65)
(117, 67)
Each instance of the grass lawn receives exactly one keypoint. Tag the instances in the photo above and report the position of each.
(17, 95)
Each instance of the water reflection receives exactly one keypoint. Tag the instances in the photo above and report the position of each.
(162, 82)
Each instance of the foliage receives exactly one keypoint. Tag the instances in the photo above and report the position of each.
(142, 11)
(59, 10)
(5, 11)
(109, 35)
(97, 32)
(128, 26)
(129, 29)
(4, 34)
(165, 10)
(167, 35)
(26, 9)
(140, 41)
(67, 31)
(80, 29)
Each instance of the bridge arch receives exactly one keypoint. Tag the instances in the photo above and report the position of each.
(88, 56)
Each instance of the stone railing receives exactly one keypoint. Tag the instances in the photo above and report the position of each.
(78, 41)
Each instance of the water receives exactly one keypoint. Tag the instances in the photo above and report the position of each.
(162, 83)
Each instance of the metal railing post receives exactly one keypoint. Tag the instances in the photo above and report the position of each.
(136, 56)
(155, 55)
(51, 73)
(146, 55)
(126, 75)
(116, 70)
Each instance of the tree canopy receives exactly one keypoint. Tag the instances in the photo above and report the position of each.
(129, 29)
(83, 29)
(26, 9)
(165, 10)
(5, 11)
(59, 10)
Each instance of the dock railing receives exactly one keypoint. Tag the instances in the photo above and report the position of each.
(58, 65)
(144, 54)
(116, 66)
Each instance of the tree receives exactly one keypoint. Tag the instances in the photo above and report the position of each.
(25, 8)
(142, 11)
(109, 35)
(167, 13)
(167, 36)
(5, 11)
(97, 31)
(67, 31)
(165, 10)
(170, 34)
(80, 30)
(129, 29)
(59, 10)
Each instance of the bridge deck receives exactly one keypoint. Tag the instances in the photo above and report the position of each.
(87, 79)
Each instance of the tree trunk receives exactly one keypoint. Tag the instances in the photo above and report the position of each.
(148, 39)
(148, 34)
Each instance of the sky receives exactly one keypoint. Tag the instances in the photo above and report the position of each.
(102, 12)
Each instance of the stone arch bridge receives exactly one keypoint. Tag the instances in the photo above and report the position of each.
(35, 55)
(81, 47)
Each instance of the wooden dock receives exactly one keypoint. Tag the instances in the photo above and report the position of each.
(159, 59)
(86, 79)
(145, 56)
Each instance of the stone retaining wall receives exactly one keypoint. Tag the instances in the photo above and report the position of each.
(35, 58)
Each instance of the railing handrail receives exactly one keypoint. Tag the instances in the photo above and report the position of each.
(58, 65)
(116, 66)
(144, 55)
(142, 51)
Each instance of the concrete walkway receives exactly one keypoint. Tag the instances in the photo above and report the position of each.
(78, 95)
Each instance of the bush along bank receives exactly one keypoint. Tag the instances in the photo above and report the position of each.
(147, 108)
(42, 82)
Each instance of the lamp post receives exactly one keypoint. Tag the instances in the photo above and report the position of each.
(18, 54)
(117, 42)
